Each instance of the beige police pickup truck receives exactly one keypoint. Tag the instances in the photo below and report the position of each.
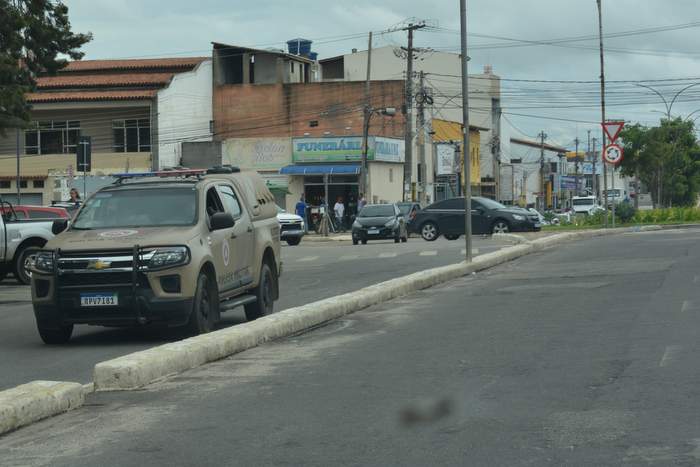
(172, 247)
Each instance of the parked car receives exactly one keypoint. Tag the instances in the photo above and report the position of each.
(19, 240)
(24, 211)
(488, 216)
(409, 211)
(177, 248)
(291, 227)
(379, 221)
(72, 208)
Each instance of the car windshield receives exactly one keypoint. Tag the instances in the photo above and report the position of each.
(384, 210)
(404, 208)
(491, 204)
(583, 202)
(138, 208)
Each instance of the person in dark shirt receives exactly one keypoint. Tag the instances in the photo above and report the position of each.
(300, 209)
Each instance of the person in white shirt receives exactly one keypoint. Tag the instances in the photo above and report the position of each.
(339, 210)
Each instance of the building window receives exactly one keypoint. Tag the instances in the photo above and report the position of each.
(52, 137)
(5, 184)
(391, 175)
(23, 184)
(132, 135)
(38, 183)
(313, 123)
(292, 67)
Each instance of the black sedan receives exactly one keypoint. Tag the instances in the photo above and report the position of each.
(447, 218)
(379, 221)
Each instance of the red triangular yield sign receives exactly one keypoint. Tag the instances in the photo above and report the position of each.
(612, 129)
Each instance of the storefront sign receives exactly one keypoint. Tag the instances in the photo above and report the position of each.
(347, 149)
(445, 164)
(388, 149)
(568, 182)
(257, 153)
(587, 168)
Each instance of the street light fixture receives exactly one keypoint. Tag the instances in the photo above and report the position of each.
(385, 111)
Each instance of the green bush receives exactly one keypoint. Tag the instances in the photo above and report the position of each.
(624, 212)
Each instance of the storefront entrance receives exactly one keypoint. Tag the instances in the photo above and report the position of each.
(345, 187)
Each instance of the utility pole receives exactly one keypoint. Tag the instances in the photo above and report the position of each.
(408, 137)
(420, 123)
(543, 199)
(465, 133)
(595, 172)
(19, 195)
(364, 181)
(602, 105)
(577, 166)
(588, 150)
(523, 197)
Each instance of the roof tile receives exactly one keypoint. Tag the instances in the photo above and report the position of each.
(67, 96)
(70, 80)
(134, 64)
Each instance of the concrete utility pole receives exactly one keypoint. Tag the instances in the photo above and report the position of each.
(465, 133)
(588, 151)
(496, 148)
(364, 181)
(543, 199)
(408, 137)
(19, 195)
(420, 122)
(595, 173)
(602, 106)
(577, 166)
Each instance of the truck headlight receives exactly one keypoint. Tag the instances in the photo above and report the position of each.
(169, 257)
(518, 217)
(43, 261)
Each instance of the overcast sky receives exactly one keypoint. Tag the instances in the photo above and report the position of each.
(146, 28)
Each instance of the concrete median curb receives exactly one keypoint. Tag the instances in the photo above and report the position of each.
(141, 368)
(31, 402)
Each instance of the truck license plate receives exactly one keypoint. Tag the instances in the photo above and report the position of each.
(99, 299)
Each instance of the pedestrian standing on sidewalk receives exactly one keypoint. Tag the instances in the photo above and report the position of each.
(300, 209)
(339, 210)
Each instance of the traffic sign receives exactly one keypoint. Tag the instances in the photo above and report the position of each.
(612, 129)
(612, 154)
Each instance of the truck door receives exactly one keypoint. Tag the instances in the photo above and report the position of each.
(218, 242)
(241, 240)
(3, 239)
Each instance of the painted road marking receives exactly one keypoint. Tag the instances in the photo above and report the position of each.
(669, 354)
(428, 253)
(387, 255)
(687, 306)
(307, 259)
(348, 257)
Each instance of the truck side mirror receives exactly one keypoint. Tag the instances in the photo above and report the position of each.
(59, 225)
(221, 220)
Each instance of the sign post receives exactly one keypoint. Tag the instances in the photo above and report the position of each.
(84, 162)
(612, 154)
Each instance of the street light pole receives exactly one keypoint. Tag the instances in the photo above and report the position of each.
(465, 133)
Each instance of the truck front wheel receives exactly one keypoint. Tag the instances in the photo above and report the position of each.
(21, 272)
(55, 336)
(264, 294)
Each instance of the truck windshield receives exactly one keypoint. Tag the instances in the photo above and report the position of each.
(138, 208)
(584, 202)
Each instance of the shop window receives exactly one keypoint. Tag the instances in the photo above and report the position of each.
(52, 137)
(23, 184)
(38, 183)
(5, 184)
(132, 135)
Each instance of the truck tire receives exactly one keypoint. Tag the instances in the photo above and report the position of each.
(202, 318)
(294, 241)
(20, 272)
(264, 293)
(2, 275)
(55, 336)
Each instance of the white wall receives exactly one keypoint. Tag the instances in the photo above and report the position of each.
(530, 168)
(385, 182)
(386, 65)
(184, 113)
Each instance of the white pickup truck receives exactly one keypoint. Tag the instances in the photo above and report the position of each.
(19, 239)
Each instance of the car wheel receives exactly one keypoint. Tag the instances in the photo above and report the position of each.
(264, 293)
(500, 226)
(429, 231)
(293, 241)
(21, 272)
(203, 308)
(55, 336)
(364, 242)
(2, 275)
(355, 241)
(451, 237)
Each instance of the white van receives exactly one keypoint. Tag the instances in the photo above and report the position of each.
(585, 205)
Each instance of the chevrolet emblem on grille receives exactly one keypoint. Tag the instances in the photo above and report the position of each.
(98, 264)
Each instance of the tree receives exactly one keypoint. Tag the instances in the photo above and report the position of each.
(666, 158)
(35, 38)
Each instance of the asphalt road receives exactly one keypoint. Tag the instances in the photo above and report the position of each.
(312, 271)
(584, 355)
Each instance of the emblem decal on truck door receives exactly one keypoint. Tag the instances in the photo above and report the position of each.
(226, 254)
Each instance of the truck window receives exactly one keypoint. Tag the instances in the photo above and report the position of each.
(228, 196)
(214, 204)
